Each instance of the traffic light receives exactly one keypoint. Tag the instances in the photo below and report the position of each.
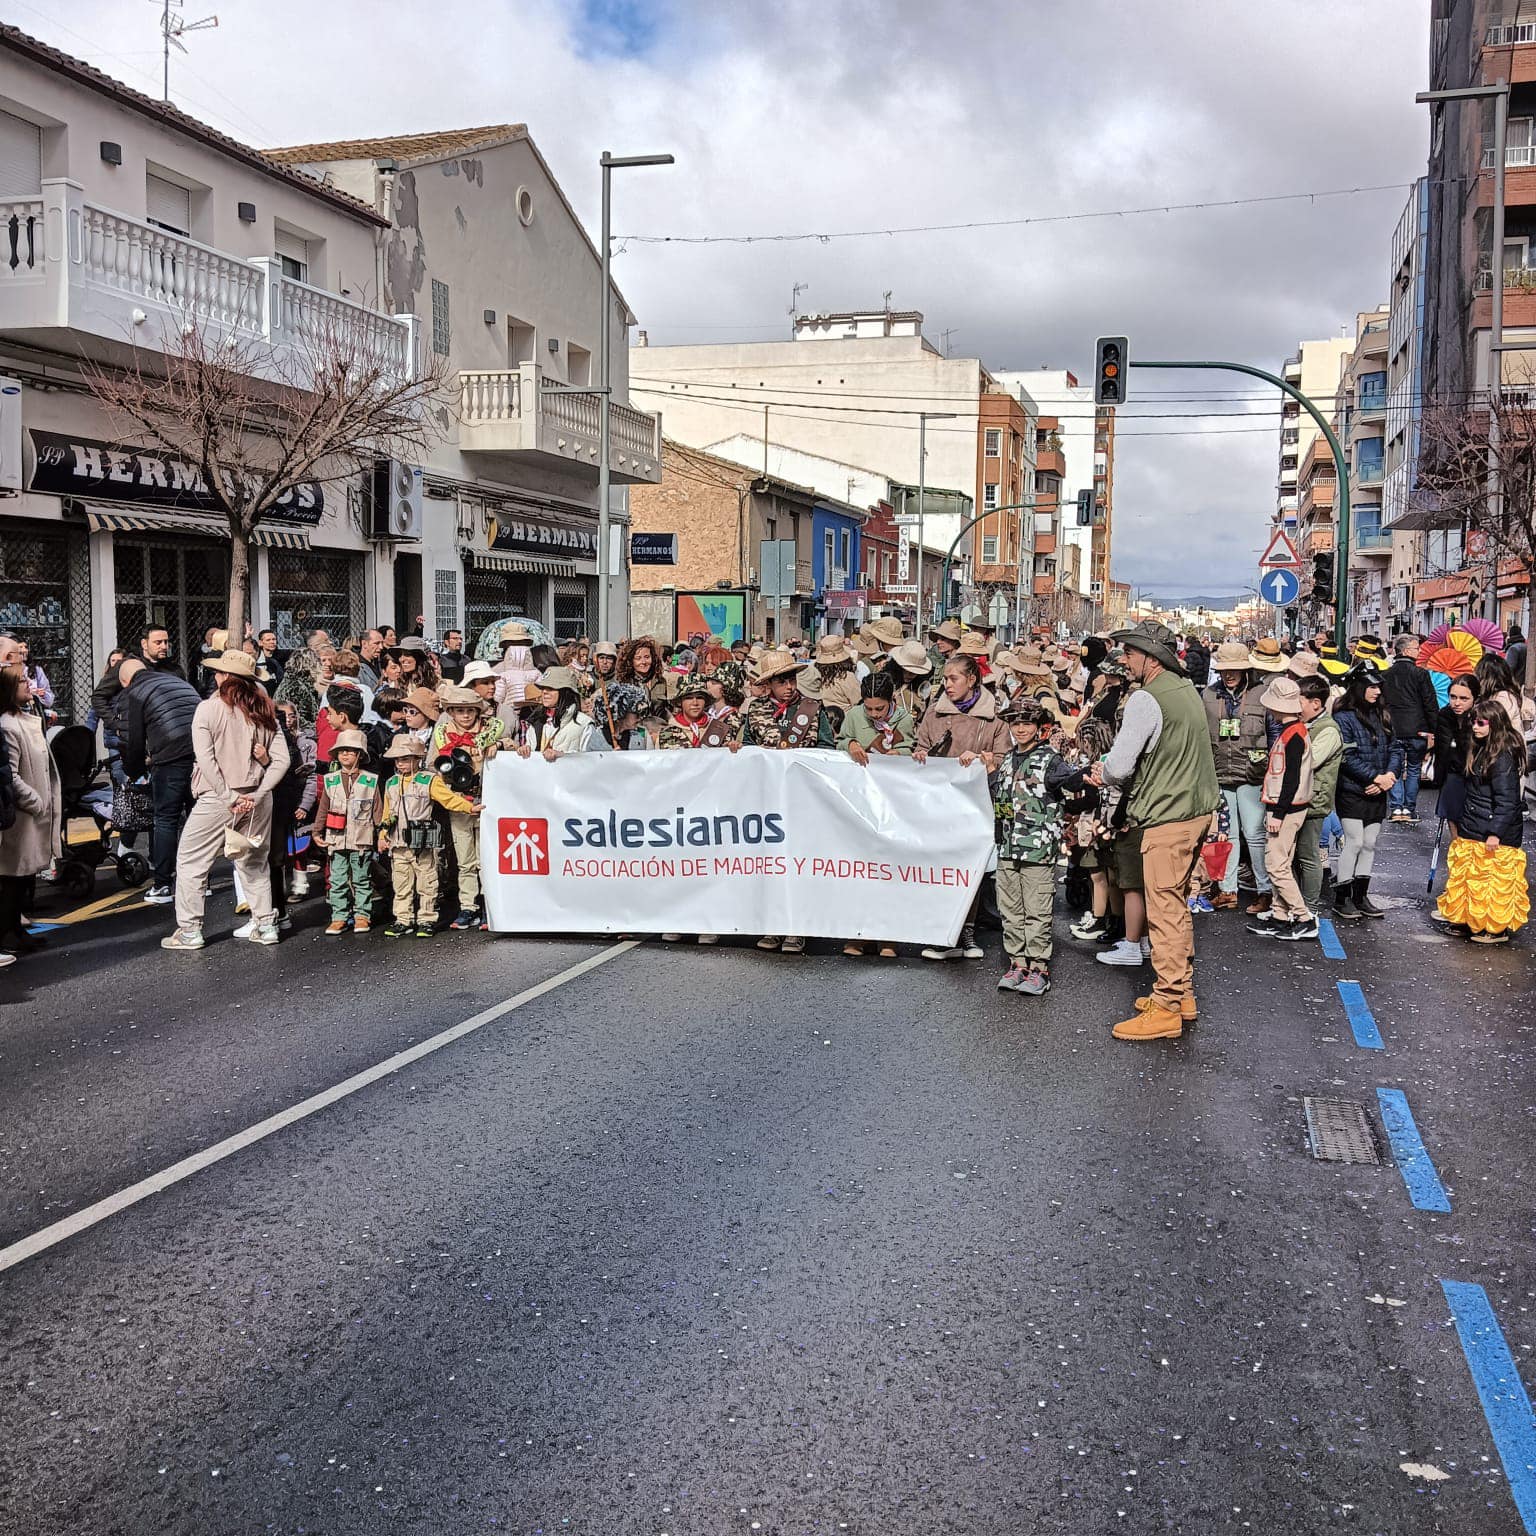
(1322, 576)
(1114, 353)
(1085, 509)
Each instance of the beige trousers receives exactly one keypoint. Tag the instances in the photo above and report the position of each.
(414, 876)
(202, 844)
(466, 850)
(1168, 855)
(1279, 855)
(1026, 896)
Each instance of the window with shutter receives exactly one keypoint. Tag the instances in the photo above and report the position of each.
(21, 156)
(292, 253)
(168, 206)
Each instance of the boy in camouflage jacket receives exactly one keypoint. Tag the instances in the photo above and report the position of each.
(1027, 790)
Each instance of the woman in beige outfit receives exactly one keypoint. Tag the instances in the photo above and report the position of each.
(241, 757)
(30, 842)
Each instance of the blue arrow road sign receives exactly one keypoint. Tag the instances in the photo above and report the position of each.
(1279, 587)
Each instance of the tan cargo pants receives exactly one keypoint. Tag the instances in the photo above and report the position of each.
(414, 876)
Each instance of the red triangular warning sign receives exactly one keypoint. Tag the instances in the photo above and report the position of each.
(1280, 551)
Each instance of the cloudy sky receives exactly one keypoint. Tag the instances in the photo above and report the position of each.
(814, 116)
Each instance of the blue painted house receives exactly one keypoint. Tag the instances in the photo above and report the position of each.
(835, 553)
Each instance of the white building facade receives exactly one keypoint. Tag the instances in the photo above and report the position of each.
(484, 247)
(122, 221)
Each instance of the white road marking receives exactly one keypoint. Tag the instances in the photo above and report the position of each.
(81, 1221)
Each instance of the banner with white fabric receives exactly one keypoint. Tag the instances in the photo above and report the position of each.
(704, 841)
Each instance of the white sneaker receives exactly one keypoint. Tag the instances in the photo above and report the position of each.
(159, 896)
(1146, 949)
(184, 938)
(265, 933)
(6, 958)
(300, 887)
(245, 930)
(1124, 953)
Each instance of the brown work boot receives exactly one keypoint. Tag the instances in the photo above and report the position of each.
(361, 924)
(1152, 1024)
(1259, 904)
(1224, 901)
(1186, 1008)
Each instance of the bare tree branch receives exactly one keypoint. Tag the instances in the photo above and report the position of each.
(260, 423)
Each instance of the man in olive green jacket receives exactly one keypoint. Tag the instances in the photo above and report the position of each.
(1163, 751)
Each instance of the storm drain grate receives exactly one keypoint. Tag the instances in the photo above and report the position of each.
(1340, 1131)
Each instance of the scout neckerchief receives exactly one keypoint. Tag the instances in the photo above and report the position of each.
(695, 728)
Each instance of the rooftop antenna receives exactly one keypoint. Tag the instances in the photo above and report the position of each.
(794, 304)
(952, 331)
(172, 28)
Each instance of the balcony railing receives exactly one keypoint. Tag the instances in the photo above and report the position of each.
(1372, 540)
(1516, 279)
(1373, 402)
(1372, 473)
(66, 264)
(518, 410)
(1517, 157)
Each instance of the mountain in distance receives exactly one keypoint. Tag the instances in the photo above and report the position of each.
(1221, 603)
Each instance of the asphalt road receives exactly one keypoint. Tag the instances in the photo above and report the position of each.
(705, 1241)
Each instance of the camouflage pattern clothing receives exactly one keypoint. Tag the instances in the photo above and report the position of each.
(1026, 800)
(768, 724)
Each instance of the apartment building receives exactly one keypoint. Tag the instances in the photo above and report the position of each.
(1315, 370)
(125, 220)
(1360, 418)
(1058, 395)
(484, 246)
(1475, 42)
(1006, 530)
(850, 386)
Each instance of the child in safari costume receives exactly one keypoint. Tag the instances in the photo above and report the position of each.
(466, 723)
(408, 833)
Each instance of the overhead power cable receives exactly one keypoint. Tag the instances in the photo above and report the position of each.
(825, 236)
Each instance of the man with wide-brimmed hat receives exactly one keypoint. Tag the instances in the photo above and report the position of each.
(911, 669)
(944, 640)
(1163, 751)
(411, 837)
(1239, 735)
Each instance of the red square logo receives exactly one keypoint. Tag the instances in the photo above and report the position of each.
(522, 845)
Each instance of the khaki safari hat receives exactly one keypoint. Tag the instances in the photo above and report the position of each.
(887, 631)
(559, 677)
(478, 672)
(912, 657)
(973, 643)
(1304, 664)
(1231, 656)
(1283, 696)
(1151, 639)
(354, 739)
(406, 745)
(1266, 656)
(948, 630)
(454, 697)
(772, 664)
(831, 650)
(234, 663)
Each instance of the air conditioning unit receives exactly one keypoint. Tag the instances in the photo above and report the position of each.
(865, 581)
(394, 500)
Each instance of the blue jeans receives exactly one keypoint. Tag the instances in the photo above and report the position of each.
(1245, 816)
(1404, 795)
(170, 789)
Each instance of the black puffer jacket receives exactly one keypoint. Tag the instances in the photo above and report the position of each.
(1409, 694)
(1492, 807)
(157, 721)
(1369, 751)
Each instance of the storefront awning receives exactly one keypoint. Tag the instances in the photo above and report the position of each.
(265, 535)
(527, 565)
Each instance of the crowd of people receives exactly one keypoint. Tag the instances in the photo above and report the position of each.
(1148, 772)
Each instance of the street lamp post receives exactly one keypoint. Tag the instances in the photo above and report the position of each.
(923, 418)
(1498, 93)
(605, 380)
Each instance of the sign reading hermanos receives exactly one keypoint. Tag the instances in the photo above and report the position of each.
(545, 538)
(63, 465)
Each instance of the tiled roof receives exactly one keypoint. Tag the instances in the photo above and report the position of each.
(94, 79)
(404, 146)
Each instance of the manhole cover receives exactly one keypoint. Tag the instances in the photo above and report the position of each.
(1340, 1131)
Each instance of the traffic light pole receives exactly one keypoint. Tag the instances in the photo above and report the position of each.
(1341, 465)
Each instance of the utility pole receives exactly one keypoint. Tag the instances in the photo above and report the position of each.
(923, 418)
(605, 371)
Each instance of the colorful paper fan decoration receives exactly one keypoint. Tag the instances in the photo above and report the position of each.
(1436, 637)
(1467, 643)
(1486, 631)
(1442, 686)
(1449, 661)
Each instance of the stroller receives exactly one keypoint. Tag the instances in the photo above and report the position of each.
(124, 810)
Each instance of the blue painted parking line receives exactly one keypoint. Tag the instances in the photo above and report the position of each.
(1424, 1186)
(1505, 1403)
(1328, 938)
(1361, 1020)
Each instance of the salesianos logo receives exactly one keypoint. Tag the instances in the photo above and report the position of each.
(522, 845)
